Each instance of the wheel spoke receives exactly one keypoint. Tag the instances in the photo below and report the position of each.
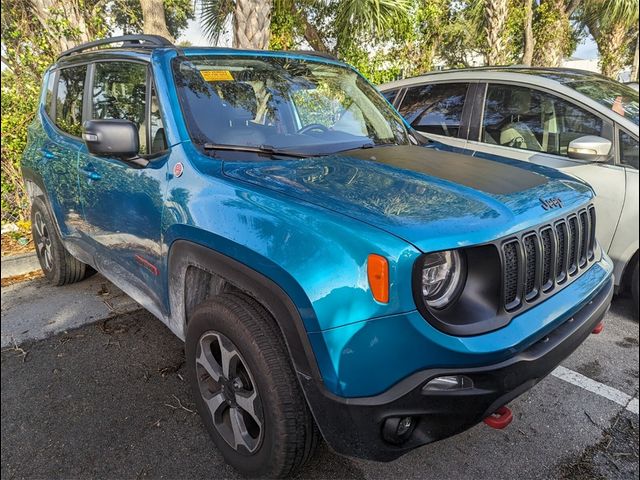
(229, 360)
(207, 361)
(39, 225)
(240, 434)
(216, 403)
(246, 401)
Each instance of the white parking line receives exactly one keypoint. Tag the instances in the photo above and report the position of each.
(575, 378)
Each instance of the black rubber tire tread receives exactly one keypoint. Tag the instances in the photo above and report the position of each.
(65, 269)
(294, 436)
(634, 289)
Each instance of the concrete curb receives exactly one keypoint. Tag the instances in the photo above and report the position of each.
(13, 265)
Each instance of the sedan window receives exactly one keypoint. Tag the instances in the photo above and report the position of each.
(435, 108)
(520, 117)
(628, 150)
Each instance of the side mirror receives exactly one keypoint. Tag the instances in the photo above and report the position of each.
(590, 148)
(114, 138)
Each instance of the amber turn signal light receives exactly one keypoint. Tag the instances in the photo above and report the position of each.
(378, 274)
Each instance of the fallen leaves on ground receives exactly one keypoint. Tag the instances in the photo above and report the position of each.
(22, 278)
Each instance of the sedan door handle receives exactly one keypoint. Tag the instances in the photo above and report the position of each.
(90, 173)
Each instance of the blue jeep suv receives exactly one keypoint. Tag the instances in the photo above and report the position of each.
(332, 275)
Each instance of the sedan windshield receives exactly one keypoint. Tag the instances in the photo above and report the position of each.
(282, 103)
(618, 97)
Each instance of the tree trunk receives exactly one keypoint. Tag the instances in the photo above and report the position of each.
(611, 43)
(527, 55)
(153, 19)
(252, 24)
(553, 35)
(70, 11)
(496, 12)
(634, 67)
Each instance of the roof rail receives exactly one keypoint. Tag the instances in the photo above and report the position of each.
(145, 41)
(316, 53)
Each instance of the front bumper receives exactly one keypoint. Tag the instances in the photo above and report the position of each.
(354, 426)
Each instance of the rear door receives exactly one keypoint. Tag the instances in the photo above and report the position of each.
(122, 205)
(59, 151)
(530, 124)
(439, 110)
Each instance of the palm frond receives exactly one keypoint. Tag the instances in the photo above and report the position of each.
(611, 12)
(375, 16)
(213, 17)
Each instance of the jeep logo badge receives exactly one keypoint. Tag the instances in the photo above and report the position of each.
(550, 203)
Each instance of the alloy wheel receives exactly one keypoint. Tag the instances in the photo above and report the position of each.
(43, 241)
(229, 391)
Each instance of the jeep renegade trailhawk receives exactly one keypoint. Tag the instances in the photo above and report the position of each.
(331, 272)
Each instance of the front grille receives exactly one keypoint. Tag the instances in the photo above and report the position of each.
(511, 262)
(542, 260)
(548, 252)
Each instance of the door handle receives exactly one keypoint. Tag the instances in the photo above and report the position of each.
(90, 173)
(47, 153)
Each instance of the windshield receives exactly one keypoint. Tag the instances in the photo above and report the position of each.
(618, 97)
(282, 103)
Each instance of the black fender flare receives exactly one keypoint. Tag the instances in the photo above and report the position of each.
(184, 254)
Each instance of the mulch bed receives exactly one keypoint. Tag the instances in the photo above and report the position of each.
(11, 246)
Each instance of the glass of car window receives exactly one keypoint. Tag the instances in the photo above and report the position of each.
(283, 103)
(614, 95)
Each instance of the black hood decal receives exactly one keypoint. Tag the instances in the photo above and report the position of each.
(478, 173)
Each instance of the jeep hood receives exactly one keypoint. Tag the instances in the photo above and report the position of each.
(433, 199)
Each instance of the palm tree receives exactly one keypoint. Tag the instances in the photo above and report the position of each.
(252, 18)
(496, 13)
(613, 24)
(251, 21)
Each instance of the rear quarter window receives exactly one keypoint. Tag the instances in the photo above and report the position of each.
(48, 93)
(68, 106)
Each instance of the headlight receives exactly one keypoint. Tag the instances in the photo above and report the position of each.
(442, 278)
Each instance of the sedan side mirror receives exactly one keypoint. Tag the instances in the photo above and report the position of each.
(590, 148)
(114, 138)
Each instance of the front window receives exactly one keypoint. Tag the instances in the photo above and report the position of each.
(284, 103)
(618, 97)
(528, 119)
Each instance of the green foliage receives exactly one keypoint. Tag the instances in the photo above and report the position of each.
(127, 15)
(31, 40)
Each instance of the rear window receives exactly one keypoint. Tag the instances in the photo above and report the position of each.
(69, 99)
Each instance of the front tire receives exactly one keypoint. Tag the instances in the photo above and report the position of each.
(57, 264)
(245, 388)
(634, 289)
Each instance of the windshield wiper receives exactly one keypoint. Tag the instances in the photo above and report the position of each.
(264, 149)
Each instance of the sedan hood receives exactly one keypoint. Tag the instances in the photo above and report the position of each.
(432, 199)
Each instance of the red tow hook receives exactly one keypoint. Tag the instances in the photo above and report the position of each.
(598, 328)
(500, 418)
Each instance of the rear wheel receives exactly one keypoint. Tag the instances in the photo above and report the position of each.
(246, 390)
(58, 265)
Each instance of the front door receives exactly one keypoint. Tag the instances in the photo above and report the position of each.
(122, 204)
(532, 125)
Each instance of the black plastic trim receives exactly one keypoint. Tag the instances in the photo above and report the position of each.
(493, 311)
(139, 41)
(354, 426)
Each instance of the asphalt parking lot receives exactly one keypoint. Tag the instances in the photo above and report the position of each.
(107, 399)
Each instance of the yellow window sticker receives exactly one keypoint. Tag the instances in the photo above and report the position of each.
(216, 75)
